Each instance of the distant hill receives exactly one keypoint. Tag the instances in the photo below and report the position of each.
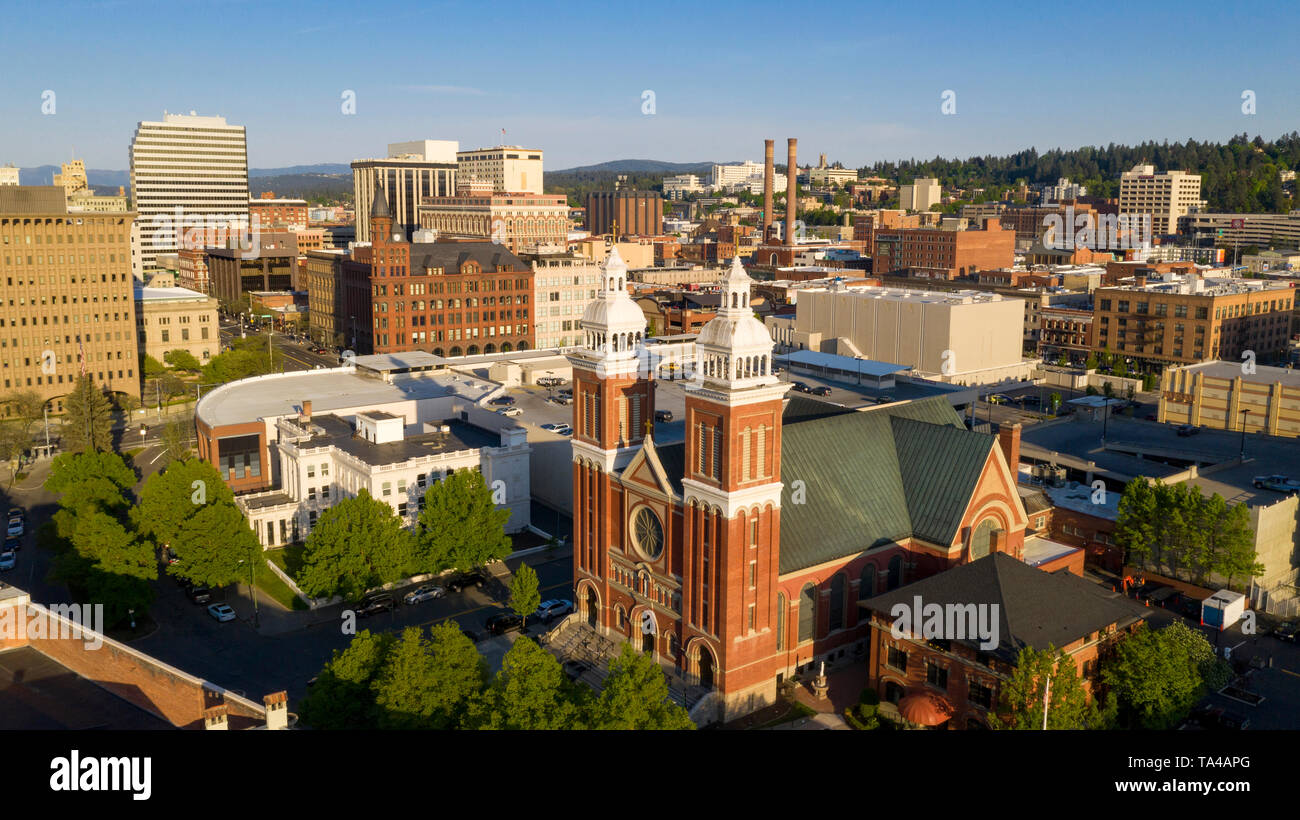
(324, 187)
(642, 174)
(641, 166)
(44, 174)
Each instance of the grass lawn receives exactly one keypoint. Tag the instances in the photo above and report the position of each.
(270, 583)
(784, 711)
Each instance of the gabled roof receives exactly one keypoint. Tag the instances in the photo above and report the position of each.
(872, 477)
(1035, 608)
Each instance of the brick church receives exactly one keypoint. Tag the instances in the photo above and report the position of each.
(738, 556)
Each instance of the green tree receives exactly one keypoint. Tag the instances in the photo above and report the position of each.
(460, 526)
(182, 360)
(357, 544)
(342, 698)
(530, 692)
(635, 696)
(1135, 526)
(176, 440)
(153, 368)
(26, 407)
(88, 421)
(524, 597)
(1021, 705)
(1154, 677)
(13, 443)
(127, 404)
(428, 684)
(1091, 362)
(107, 564)
(171, 385)
(91, 480)
(168, 499)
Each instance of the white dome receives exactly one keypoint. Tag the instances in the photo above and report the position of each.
(742, 335)
(614, 315)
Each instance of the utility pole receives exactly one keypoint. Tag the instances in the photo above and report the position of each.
(1047, 698)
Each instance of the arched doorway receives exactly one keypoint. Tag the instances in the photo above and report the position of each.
(523, 345)
(590, 606)
(490, 348)
(649, 632)
(473, 350)
(455, 351)
(705, 666)
(505, 347)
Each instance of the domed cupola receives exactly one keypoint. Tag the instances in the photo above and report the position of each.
(612, 324)
(734, 348)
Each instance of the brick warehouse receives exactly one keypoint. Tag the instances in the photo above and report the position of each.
(736, 556)
(446, 298)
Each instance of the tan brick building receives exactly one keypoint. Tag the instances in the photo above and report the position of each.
(322, 272)
(521, 222)
(174, 318)
(66, 295)
(1223, 396)
(1190, 319)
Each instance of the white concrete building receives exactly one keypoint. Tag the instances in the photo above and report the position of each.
(960, 337)
(920, 195)
(411, 172)
(190, 168)
(676, 186)
(724, 175)
(8, 174)
(509, 168)
(1164, 196)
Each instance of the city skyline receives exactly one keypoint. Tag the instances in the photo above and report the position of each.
(858, 89)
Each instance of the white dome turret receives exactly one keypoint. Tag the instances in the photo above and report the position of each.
(612, 324)
(735, 348)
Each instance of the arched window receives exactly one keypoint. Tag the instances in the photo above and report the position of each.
(838, 585)
(867, 582)
(895, 573)
(807, 612)
(982, 539)
(780, 621)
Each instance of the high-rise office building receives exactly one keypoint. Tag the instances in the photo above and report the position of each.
(1164, 196)
(509, 168)
(411, 172)
(67, 304)
(923, 193)
(193, 169)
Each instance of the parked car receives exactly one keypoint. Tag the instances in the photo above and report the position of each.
(16, 526)
(1277, 483)
(996, 398)
(18, 512)
(375, 604)
(503, 401)
(511, 411)
(169, 556)
(800, 387)
(885, 399)
(222, 612)
(821, 391)
(664, 416)
(504, 622)
(1286, 631)
(559, 428)
(561, 400)
(548, 611)
(1185, 430)
(424, 593)
(198, 595)
(473, 578)
(13, 542)
(8, 559)
(1184, 605)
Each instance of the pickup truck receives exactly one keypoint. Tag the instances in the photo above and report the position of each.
(1278, 483)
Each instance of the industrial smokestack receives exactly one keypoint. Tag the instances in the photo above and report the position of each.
(769, 174)
(791, 190)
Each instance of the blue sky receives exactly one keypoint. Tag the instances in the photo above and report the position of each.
(859, 82)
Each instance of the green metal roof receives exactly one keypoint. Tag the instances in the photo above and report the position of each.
(874, 477)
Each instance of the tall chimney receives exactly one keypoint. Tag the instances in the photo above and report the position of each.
(306, 409)
(769, 174)
(1009, 441)
(791, 190)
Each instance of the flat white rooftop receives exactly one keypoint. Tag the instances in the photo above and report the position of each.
(281, 394)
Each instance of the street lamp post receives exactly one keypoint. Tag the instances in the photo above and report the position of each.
(1243, 435)
(1105, 417)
